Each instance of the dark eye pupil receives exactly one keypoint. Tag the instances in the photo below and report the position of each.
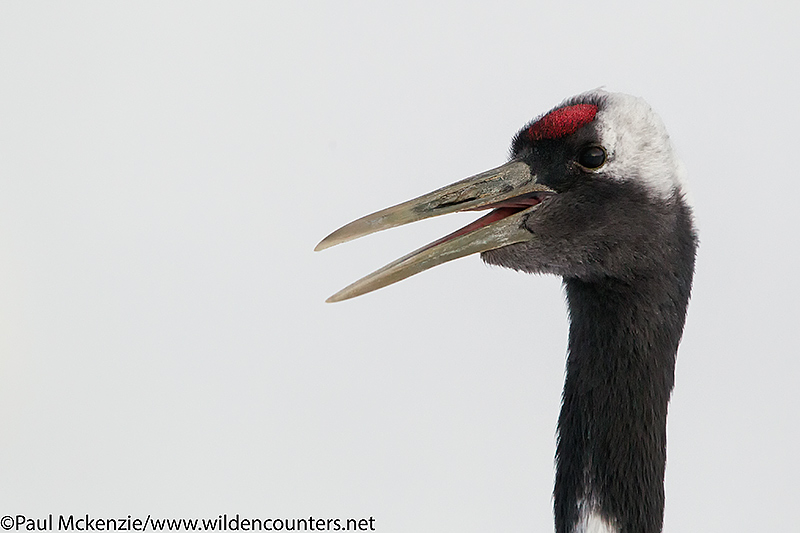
(592, 157)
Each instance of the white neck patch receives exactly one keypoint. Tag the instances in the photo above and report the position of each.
(590, 520)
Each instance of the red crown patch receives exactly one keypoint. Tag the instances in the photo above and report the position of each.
(561, 122)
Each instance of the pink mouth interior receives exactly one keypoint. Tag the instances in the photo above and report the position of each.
(500, 210)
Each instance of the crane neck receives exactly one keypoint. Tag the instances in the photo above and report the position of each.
(611, 453)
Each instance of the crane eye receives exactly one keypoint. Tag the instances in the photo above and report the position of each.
(592, 157)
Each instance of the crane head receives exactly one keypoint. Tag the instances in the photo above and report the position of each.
(592, 188)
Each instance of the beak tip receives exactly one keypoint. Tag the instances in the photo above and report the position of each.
(331, 240)
(325, 243)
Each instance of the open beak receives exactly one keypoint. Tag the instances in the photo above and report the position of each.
(509, 190)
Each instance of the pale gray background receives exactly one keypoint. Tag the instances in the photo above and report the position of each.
(167, 168)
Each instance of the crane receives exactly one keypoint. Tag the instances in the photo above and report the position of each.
(593, 192)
